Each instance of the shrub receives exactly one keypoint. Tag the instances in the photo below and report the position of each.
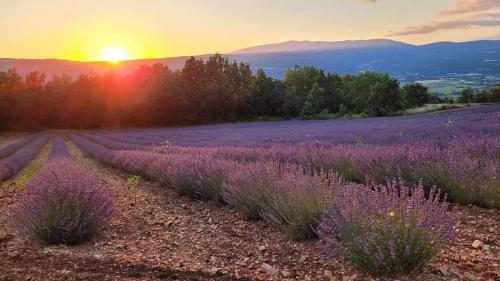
(63, 204)
(282, 194)
(247, 188)
(12, 148)
(298, 203)
(11, 165)
(59, 149)
(198, 176)
(388, 230)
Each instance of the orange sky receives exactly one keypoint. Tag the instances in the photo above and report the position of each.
(80, 30)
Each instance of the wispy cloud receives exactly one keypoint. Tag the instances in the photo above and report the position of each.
(463, 14)
(486, 15)
(468, 6)
(433, 26)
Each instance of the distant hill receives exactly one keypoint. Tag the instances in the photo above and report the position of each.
(75, 68)
(391, 57)
(475, 62)
(305, 46)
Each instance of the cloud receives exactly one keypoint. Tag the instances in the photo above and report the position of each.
(486, 15)
(434, 26)
(468, 6)
(463, 14)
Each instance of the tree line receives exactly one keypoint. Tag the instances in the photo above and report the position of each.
(468, 95)
(215, 90)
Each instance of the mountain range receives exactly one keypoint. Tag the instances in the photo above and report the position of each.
(478, 59)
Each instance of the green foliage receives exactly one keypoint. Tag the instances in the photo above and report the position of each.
(315, 101)
(467, 96)
(203, 91)
(266, 96)
(492, 95)
(414, 95)
(134, 181)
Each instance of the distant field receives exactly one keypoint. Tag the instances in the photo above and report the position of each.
(452, 85)
(442, 126)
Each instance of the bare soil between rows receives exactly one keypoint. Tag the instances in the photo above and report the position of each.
(157, 235)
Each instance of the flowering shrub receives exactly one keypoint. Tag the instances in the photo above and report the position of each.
(63, 204)
(387, 230)
(281, 194)
(59, 149)
(12, 148)
(11, 165)
(197, 176)
(248, 188)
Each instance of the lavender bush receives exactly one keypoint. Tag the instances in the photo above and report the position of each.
(59, 149)
(11, 165)
(12, 148)
(282, 194)
(387, 230)
(113, 144)
(63, 204)
(199, 177)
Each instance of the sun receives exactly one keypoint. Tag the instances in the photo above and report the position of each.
(114, 54)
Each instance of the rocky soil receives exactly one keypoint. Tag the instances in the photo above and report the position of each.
(157, 235)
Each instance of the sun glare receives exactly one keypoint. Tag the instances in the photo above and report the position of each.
(114, 54)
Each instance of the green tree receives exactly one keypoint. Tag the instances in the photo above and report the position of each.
(466, 96)
(315, 101)
(265, 98)
(414, 95)
(299, 82)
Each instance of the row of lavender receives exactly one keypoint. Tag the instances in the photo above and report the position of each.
(467, 169)
(14, 147)
(383, 230)
(20, 154)
(63, 203)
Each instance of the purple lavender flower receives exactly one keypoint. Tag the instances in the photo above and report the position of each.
(388, 230)
(63, 204)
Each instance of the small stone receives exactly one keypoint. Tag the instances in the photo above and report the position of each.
(327, 273)
(99, 256)
(262, 248)
(349, 278)
(285, 273)
(486, 247)
(477, 244)
(443, 271)
(213, 271)
(269, 269)
(302, 258)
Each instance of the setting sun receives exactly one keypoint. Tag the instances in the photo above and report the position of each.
(114, 54)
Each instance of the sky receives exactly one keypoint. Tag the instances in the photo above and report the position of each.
(87, 30)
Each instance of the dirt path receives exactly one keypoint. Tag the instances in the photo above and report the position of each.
(166, 237)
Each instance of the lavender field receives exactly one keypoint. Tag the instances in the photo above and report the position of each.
(439, 127)
(457, 151)
(380, 193)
